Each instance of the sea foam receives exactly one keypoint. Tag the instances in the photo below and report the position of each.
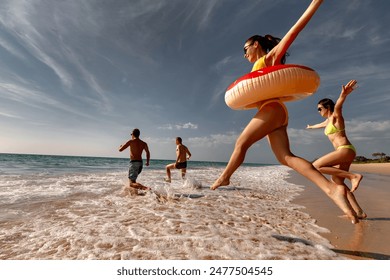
(87, 216)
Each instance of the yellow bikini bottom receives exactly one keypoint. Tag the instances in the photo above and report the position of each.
(347, 147)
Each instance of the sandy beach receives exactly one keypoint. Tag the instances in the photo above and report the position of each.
(377, 168)
(370, 239)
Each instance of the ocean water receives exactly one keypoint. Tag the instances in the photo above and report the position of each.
(59, 207)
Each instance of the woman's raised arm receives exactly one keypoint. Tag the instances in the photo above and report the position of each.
(275, 55)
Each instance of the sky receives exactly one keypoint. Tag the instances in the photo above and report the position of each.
(77, 76)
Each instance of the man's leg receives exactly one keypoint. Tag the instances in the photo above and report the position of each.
(183, 172)
(168, 169)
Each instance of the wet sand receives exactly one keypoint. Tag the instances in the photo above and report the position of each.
(370, 239)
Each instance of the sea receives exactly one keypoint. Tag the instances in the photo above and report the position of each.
(78, 208)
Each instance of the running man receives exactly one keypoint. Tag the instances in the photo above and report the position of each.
(137, 146)
(181, 160)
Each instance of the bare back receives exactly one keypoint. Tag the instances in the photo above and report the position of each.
(137, 146)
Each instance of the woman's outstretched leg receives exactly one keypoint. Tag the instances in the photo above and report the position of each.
(265, 121)
(355, 178)
(351, 198)
(278, 140)
(343, 158)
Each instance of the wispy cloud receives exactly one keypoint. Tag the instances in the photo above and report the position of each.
(30, 96)
(22, 20)
(206, 13)
(53, 41)
(226, 78)
(88, 76)
(23, 94)
(214, 140)
(11, 49)
(369, 130)
(356, 130)
(188, 125)
(304, 136)
(223, 64)
(10, 115)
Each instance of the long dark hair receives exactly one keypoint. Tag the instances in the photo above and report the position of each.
(268, 42)
(327, 103)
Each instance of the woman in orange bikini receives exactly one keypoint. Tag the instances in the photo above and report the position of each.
(271, 119)
(344, 152)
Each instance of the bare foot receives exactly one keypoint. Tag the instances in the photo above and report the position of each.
(362, 215)
(339, 196)
(168, 180)
(355, 182)
(220, 182)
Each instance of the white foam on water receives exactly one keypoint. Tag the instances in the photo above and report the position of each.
(88, 217)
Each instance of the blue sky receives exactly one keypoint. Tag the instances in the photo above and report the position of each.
(77, 76)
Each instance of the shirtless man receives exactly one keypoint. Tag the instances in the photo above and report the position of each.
(181, 160)
(137, 146)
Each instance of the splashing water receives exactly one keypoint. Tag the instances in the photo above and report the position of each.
(84, 214)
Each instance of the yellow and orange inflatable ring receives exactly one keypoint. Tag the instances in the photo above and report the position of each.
(284, 82)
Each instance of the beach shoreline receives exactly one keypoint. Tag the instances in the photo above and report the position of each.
(369, 239)
(73, 208)
(376, 168)
(59, 208)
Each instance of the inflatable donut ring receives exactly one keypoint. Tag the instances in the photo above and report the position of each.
(284, 82)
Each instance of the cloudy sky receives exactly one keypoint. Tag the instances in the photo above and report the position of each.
(77, 76)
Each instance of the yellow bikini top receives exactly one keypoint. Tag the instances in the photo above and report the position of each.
(259, 64)
(331, 129)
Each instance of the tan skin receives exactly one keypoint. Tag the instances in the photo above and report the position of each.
(342, 158)
(182, 154)
(269, 122)
(137, 146)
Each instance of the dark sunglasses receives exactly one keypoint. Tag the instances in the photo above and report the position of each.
(247, 47)
(319, 109)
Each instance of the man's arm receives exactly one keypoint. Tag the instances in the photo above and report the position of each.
(124, 146)
(147, 154)
(188, 153)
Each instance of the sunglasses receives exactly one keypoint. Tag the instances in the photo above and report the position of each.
(319, 109)
(247, 47)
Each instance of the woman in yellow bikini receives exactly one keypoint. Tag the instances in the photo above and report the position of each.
(337, 163)
(271, 119)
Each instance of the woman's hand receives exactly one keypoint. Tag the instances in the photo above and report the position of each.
(347, 89)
